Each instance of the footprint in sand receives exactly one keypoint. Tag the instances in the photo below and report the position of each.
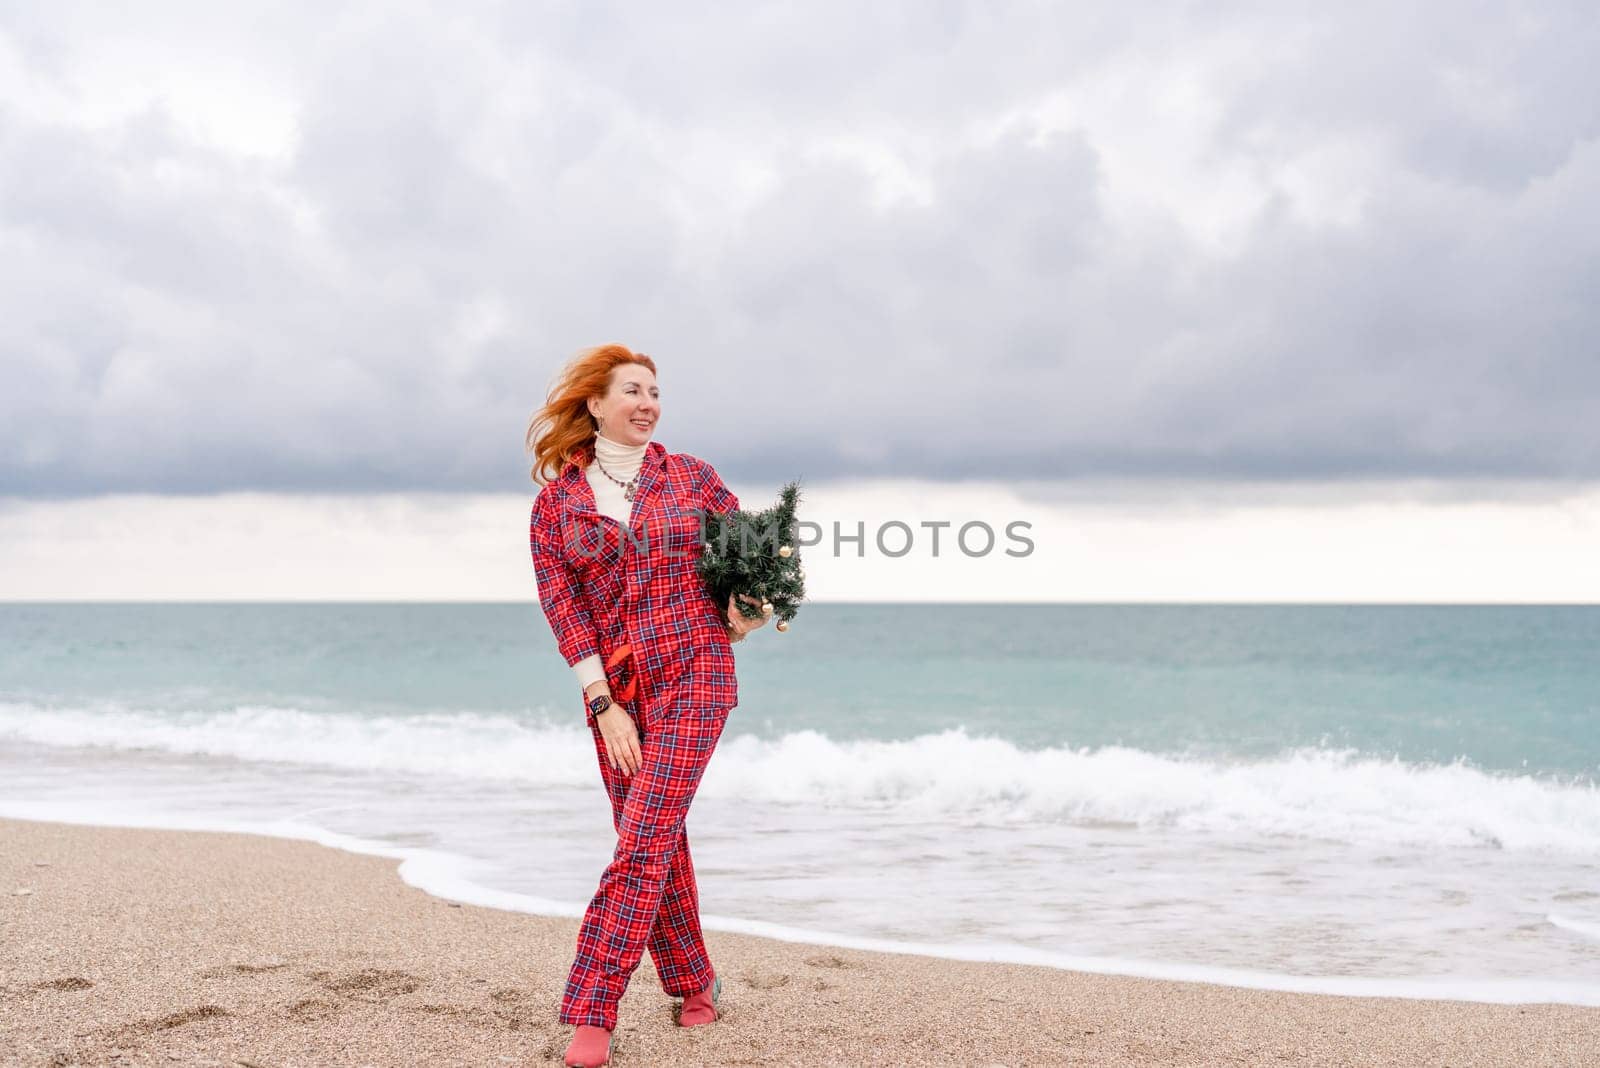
(223, 970)
(372, 984)
(828, 960)
(764, 982)
(139, 1028)
(187, 1016)
(311, 1009)
(514, 1011)
(71, 982)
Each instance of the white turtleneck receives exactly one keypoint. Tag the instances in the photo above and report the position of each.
(623, 462)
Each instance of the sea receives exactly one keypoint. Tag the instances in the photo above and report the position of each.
(1349, 799)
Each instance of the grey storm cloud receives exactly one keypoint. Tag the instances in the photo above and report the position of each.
(283, 249)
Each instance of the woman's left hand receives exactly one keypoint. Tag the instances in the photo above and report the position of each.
(738, 625)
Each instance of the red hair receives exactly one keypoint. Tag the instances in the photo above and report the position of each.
(563, 429)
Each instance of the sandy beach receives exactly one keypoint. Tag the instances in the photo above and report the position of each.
(133, 947)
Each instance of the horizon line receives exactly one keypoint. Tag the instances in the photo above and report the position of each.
(922, 603)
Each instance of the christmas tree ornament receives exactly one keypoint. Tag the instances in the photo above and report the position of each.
(766, 608)
(786, 551)
(782, 624)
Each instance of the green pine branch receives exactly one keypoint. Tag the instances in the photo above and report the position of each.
(742, 551)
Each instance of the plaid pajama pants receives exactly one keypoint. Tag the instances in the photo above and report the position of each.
(647, 895)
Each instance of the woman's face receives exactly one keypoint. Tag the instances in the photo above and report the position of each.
(631, 407)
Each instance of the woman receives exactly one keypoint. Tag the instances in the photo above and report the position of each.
(614, 535)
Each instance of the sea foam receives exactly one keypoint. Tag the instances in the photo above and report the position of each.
(949, 776)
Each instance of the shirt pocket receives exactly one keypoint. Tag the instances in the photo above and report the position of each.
(594, 548)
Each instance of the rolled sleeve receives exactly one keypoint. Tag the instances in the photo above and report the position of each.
(560, 594)
(589, 671)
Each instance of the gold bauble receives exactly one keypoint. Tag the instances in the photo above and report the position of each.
(766, 608)
(783, 624)
(786, 551)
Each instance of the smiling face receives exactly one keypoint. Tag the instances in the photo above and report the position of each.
(629, 411)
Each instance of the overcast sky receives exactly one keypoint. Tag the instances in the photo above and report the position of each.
(342, 248)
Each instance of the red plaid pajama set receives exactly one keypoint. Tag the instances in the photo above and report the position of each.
(637, 600)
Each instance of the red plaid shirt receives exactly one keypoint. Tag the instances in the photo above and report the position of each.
(602, 586)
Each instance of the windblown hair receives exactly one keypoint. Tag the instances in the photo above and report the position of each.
(563, 429)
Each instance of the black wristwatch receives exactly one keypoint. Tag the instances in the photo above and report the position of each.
(599, 704)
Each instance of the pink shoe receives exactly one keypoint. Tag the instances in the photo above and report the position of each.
(701, 1008)
(590, 1047)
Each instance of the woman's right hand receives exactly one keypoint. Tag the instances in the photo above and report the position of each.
(622, 738)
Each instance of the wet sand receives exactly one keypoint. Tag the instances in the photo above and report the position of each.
(135, 947)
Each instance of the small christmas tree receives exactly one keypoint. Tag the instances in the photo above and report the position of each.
(757, 554)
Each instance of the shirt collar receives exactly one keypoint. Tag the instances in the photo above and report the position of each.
(655, 456)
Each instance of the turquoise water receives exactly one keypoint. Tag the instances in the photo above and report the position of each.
(1268, 795)
(1507, 688)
